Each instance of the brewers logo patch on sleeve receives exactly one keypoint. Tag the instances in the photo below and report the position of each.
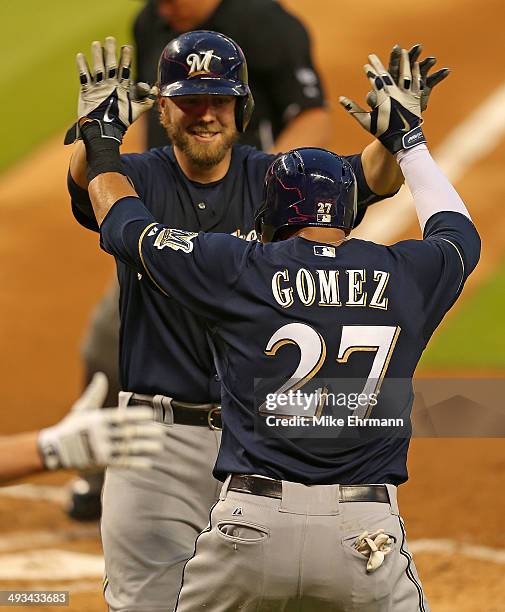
(178, 240)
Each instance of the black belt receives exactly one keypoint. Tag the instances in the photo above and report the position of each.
(255, 485)
(184, 413)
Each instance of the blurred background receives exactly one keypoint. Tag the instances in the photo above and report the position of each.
(52, 270)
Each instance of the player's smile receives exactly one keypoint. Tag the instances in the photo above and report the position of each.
(204, 135)
(201, 127)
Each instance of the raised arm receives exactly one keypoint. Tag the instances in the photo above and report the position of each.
(381, 170)
(440, 263)
(106, 93)
(396, 122)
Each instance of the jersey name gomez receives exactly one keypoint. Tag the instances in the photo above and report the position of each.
(298, 314)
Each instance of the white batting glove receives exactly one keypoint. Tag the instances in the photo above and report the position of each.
(91, 437)
(375, 546)
(108, 94)
(428, 81)
(396, 119)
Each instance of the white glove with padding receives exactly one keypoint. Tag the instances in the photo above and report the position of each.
(90, 436)
(107, 93)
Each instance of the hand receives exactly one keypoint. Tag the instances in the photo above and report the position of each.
(90, 436)
(396, 118)
(428, 81)
(108, 94)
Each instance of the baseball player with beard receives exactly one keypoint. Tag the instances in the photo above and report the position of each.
(202, 182)
(307, 520)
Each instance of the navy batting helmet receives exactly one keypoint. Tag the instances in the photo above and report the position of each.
(205, 62)
(307, 187)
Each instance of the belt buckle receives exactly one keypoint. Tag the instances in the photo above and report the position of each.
(210, 416)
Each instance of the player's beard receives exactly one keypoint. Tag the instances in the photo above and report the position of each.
(201, 154)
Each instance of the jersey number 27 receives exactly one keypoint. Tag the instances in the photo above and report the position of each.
(380, 339)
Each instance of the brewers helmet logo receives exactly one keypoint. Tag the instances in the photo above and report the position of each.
(199, 63)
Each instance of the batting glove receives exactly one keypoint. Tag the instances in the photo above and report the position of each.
(428, 81)
(396, 119)
(107, 94)
(91, 437)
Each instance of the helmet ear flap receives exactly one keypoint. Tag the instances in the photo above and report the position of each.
(243, 111)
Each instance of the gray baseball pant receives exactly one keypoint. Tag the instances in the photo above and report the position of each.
(296, 554)
(151, 518)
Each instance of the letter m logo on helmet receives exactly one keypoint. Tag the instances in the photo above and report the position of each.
(199, 64)
(206, 63)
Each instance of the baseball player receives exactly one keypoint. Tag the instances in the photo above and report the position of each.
(290, 110)
(306, 522)
(203, 182)
(87, 437)
(290, 106)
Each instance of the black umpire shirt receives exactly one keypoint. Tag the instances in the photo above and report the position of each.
(282, 77)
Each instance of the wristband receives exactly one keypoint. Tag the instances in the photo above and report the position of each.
(102, 149)
(413, 138)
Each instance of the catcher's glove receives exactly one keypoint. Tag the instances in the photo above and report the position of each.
(396, 119)
(108, 94)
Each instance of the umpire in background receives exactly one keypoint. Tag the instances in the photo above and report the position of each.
(289, 112)
(290, 108)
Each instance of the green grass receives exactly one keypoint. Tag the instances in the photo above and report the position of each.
(38, 77)
(475, 336)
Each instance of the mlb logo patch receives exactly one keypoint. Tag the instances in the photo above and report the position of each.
(323, 218)
(324, 251)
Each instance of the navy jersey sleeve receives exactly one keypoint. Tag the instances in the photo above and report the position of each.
(199, 270)
(441, 262)
(134, 167)
(81, 205)
(290, 77)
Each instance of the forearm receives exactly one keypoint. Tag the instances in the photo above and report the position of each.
(107, 184)
(381, 170)
(311, 128)
(430, 188)
(105, 190)
(79, 165)
(19, 456)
